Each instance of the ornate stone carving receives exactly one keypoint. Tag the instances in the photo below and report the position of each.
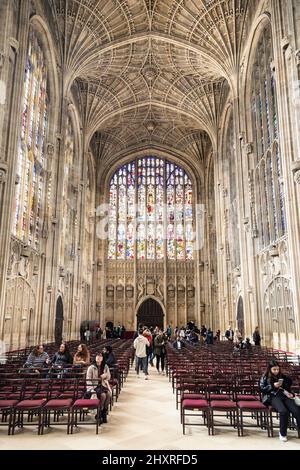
(297, 177)
(2, 59)
(3, 175)
(50, 149)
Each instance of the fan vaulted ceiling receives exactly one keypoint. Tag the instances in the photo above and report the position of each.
(151, 71)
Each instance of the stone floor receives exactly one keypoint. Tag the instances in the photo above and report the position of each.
(144, 417)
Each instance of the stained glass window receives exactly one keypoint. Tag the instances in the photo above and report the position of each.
(30, 193)
(150, 212)
(270, 206)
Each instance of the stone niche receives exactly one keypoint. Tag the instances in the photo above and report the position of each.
(190, 291)
(129, 291)
(171, 291)
(120, 291)
(110, 291)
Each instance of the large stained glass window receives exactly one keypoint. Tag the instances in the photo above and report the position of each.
(150, 212)
(270, 205)
(30, 192)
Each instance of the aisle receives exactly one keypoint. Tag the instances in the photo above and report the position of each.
(144, 417)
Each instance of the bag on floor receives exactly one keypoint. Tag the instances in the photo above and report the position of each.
(297, 400)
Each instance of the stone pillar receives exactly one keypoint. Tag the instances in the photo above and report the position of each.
(287, 62)
(12, 65)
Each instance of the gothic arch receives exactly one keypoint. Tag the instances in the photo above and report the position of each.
(156, 299)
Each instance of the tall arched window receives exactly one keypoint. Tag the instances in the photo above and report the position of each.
(270, 208)
(151, 212)
(30, 193)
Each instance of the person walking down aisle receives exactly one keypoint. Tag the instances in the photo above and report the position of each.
(160, 342)
(141, 359)
(276, 391)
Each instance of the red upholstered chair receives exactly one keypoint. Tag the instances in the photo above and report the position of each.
(82, 405)
(32, 408)
(253, 409)
(6, 411)
(62, 393)
(221, 391)
(188, 409)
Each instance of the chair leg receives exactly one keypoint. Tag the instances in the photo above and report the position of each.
(241, 423)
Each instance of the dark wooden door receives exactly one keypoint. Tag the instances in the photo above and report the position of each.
(150, 313)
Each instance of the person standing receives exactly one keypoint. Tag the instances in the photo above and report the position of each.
(87, 335)
(140, 345)
(160, 342)
(169, 332)
(256, 336)
(229, 334)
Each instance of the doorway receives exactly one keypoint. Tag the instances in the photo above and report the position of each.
(150, 313)
(59, 320)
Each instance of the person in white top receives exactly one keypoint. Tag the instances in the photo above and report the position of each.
(140, 345)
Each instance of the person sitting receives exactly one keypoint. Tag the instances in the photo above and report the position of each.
(98, 377)
(247, 344)
(178, 343)
(62, 359)
(37, 359)
(108, 356)
(276, 392)
(82, 356)
(218, 335)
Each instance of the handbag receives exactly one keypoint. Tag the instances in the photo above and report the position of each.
(297, 400)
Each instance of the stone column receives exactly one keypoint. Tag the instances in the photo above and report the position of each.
(12, 65)
(287, 60)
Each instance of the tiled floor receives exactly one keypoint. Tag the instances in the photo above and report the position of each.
(145, 417)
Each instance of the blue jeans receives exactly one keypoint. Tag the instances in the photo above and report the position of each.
(141, 361)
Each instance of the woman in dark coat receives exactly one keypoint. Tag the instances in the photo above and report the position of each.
(160, 342)
(276, 392)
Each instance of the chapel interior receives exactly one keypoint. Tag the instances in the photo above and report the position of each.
(149, 153)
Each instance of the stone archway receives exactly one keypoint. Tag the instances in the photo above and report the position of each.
(150, 313)
(59, 320)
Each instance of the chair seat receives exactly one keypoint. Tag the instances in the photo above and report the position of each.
(193, 396)
(7, 403)
(84, 403)
(194, 404)
(55, 404)
(246, 397)
(30, 404)
(216, 396)
(251, 405)
(223, 405)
